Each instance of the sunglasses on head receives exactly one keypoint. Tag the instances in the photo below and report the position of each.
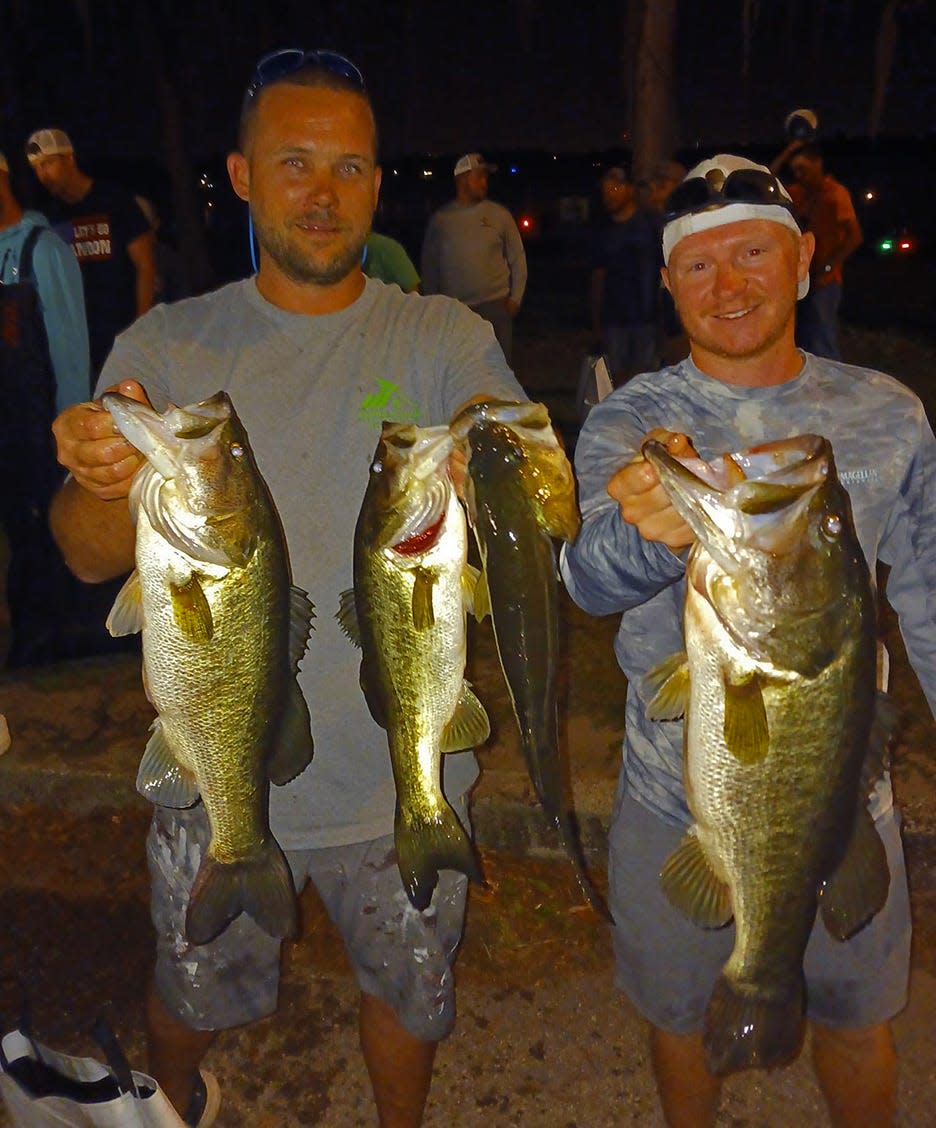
(277, 64)
(743, 186)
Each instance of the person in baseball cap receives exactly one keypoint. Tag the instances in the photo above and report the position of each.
(725, 189)
(48, 143)
(734, 260)
(473, 162)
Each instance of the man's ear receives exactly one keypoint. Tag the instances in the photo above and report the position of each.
(807, 248)
(664, 275)
(239, 173)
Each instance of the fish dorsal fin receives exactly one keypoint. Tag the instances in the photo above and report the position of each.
(126, 616)
(693, 887)
(160, 777)
(469, 726)
(423, 611)
(668, 682)
(191, 610)
(745, 726)
(858, 888)
(301, 614)
(347, 616)
(292, 752)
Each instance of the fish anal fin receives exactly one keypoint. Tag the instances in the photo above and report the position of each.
(745, 726)
(668, 682)
(423, 611)
(293, 750)
(260, 885)
(191, 610)
(693, 887)
(469, 726)
(426, 845)
(858, 888)
(161, 778)
(743, 1030)
(126, 616)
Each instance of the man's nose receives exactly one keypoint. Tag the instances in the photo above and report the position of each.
(728, 279)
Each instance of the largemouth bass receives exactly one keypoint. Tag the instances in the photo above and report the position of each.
(521, 495)
(778, 690)
(223, 634)
(408, 611)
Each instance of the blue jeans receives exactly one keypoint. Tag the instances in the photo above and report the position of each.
(817, 320)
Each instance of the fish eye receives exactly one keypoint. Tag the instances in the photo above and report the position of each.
(832, 525)
(237, 451)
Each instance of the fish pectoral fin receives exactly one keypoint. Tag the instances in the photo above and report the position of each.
(301, 614)
(668, 683)
(161, 778)
(191, 610)
(481, 603)
(260, 885)
(470, 576)
(425, 845)
(468, 726)
(423, 611)
(126, 616)
(745, 724)
(858, 888)
(370, 687)
(347, 616)
(693, 887)
(292, 753)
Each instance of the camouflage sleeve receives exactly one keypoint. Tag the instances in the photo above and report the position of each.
(909, 547)
(610, 567)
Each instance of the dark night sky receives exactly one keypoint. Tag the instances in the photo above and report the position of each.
(444, 81)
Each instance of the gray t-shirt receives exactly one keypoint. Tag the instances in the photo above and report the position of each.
(312, 393)
(474, 252)
(885, 455)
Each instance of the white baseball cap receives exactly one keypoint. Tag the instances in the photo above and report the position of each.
(48, 143)
(726, 189)
(471, 161)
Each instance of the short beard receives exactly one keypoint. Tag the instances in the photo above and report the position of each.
(298, 268)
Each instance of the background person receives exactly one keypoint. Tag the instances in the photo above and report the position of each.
(386, 258)
(43, 369)
(824, 207)
(472, 250)
(735, 264)
(109, 233)
(625, 281)
(314, 356)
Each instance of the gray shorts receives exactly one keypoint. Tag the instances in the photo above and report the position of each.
(668, 966)
(398, 954)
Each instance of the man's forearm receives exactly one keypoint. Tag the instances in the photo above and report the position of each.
(96, 537)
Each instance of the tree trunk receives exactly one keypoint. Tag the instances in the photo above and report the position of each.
(654, 115)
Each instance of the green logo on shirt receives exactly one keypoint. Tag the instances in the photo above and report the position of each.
(388, 402)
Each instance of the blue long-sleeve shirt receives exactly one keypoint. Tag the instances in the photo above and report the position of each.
(885, 454)
(61, 300)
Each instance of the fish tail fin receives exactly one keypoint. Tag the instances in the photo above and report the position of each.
(746, 1031)
(260, 886)
(425, 846)
(567, 825)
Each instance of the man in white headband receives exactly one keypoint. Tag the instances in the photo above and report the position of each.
(735, 264)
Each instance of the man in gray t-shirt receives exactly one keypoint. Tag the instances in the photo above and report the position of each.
(735, 264)
(314, 356)
(472, 251)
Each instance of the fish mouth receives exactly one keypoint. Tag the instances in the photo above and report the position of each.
(751, 499)
(160, 437)
(415, 460)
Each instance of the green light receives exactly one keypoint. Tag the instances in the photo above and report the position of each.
(886, 246)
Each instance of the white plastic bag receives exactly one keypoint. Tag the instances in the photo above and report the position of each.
(45, 1089)
(594, 384)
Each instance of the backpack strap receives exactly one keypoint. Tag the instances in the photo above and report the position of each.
(26, 255)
